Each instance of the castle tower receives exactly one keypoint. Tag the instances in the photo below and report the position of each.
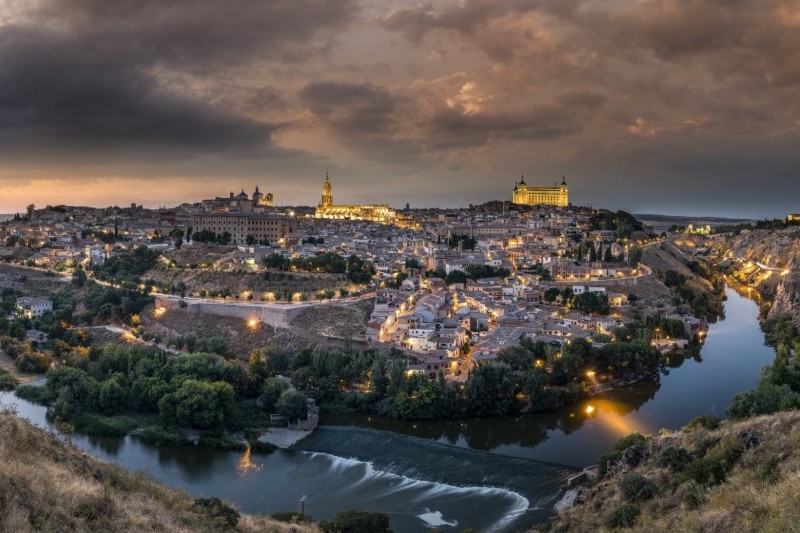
(327, 196)
(563, 193)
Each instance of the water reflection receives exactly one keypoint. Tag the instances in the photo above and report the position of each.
(246, 464)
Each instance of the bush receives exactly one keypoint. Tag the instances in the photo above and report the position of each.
(674, 458)
(355, 521)
(8, 382)
(636, 440)
(636, 488)
(222, 514)
(264, 448)
(104, 426)
(708, 422)
(292, 517)
(694, 496)
(223, 443)
(623, 516)
(158, 436)
(34, 394)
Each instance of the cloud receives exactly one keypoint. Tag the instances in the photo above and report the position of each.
(100, 76)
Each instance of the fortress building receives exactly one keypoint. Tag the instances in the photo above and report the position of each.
(240, 203)
(556, 195)
(375, 213)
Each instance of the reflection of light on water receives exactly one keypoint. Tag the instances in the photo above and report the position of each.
(245, 465)
(612, 415)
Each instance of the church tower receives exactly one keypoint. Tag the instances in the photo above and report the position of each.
(327, 196)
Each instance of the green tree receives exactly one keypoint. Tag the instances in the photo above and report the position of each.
(292, 405)
(199, 404)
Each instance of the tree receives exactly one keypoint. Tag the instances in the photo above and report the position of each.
(177, 237)
(634, 255)
(456, 276)
(607, 256)
(30, 210)
(199, 404)
(79, 277)
(271, 392)
(551, 294)
(292, 405)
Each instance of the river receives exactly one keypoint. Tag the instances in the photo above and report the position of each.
(499, 474)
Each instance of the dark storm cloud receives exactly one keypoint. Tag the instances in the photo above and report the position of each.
(352, 109)
(91, 73)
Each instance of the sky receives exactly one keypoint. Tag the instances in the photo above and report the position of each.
(653, 106)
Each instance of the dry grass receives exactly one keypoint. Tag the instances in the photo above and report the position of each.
(47, 485)
(755, 497)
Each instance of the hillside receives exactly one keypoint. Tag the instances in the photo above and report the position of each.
(742, 477)
(47, 484)
(742, 256)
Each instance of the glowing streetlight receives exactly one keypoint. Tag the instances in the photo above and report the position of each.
(589, 409)
(252, 323)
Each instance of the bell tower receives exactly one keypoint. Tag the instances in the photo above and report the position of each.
(327, 196)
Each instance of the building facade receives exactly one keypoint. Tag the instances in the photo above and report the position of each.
(243, 227)
(556, 195)
(381, 213)
(31, 307)
(240, 203)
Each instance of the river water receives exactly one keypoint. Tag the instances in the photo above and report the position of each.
(499, 474)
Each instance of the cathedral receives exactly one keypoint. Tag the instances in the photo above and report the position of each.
(556, 195)
(374, 213)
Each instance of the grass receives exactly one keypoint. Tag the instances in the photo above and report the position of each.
(741, 477)
(47, 484)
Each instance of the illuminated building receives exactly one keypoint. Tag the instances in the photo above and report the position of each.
(556, 195)
(381, 213)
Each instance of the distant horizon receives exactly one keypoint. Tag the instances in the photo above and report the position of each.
(11, 214)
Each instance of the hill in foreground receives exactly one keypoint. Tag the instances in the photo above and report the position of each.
(738, 477)
(47, 485)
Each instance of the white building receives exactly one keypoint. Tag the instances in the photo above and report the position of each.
(33, 307)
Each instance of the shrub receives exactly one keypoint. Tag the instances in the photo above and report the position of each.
(694, 496)
(674, 458)
(623, 516)
(221, 513)
(706, 471)
(708, 422)
(225, 442)
(632, 440)
(8, 382)
(34, 394)
(292, 517)
(355, 521)
(104, 426)
(158, 436)
(636, 488)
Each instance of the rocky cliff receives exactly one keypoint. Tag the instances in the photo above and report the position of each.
(768, 261)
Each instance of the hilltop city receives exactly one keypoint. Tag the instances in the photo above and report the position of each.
(450, 288)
